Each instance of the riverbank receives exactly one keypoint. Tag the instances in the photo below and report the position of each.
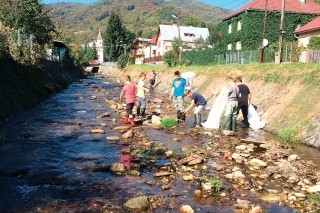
(22, 87)
(285, 94)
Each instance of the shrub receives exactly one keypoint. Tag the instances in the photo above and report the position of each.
(288, 135)
(168, 122)
(170, 58)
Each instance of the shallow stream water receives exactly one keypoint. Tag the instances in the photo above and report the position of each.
(50, 162)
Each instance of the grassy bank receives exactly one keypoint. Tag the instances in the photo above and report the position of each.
(287, 94)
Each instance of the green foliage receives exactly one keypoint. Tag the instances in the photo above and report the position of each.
(250, 34)
(170, 58)
(202, 57)
(122, 61)
(67, 59)
(90, 53)
(30, 17)
(314, 43)
(288, 135)
(2, 135)
(168, 123)
(215, 183)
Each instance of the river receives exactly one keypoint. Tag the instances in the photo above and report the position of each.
(51, 162)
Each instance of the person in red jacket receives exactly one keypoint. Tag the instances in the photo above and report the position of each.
(129, 91)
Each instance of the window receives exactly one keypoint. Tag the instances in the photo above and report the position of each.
(238, 46)
(239, 25)
(154, 52)
(230, 28)
(230, 46)
(189, 34)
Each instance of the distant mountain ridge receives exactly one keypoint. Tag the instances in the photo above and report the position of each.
(140, 16)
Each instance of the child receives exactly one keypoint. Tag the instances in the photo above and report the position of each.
(177, 94)
(141, 96)
(129, 90)
(199, 101)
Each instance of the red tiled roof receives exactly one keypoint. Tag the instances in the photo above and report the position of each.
(294, 6)
(312, 25)
(153, 40)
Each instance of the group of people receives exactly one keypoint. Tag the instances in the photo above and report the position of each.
(238, 99)
(135, 93)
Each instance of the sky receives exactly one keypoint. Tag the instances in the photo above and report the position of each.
(227, 4)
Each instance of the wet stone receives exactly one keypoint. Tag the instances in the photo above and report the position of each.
(117, 167)
(136, 204)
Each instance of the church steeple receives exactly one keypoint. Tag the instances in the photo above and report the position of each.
(99, 36)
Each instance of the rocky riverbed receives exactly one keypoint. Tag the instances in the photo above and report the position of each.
(73, 154)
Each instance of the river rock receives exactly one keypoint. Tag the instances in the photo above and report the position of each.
(241, 147)
(137, 204)
(186, 209)
(243, 204)
(121, 128)
(117, 167)
(195, 161)
(185, 160)
(271, 198)
(257, 162)
(188, 177)
(155, 120)
(97, 131)
(299, 195)
(235, 175)
(112, 138)
(157, 100)
(313, 189)
(160, 174)
(292, 158)
(128, 134)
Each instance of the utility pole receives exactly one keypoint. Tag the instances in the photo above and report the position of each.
(125, 48)
(263, 32)
(281, 32)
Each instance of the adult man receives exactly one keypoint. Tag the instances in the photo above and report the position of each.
(229, 122)
(177, 93)
(199, 101)
(243, 100)
(152, 78)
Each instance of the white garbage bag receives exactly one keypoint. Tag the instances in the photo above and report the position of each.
(254, 119)
(189, 78)
(213, 121)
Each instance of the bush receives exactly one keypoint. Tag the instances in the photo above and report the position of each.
(170, 58)
(288, 135)
(122, 61)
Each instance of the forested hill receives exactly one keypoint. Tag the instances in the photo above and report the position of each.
(140, 16)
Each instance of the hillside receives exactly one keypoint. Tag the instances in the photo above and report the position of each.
(140, 16)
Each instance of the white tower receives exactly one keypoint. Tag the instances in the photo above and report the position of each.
(99, 46)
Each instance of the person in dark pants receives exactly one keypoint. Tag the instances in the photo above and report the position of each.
(152, 78)
(243, 100)
(129, 91)
(199, 102)
(229, 122)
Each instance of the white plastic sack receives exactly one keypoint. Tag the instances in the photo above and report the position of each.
(189, 78)
(213, 121)
(254, 119)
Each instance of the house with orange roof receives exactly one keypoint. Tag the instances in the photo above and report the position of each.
(311, 29)
(243, 29)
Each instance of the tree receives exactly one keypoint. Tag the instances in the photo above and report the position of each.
(114, 37)
(30, 17)
(314, 43)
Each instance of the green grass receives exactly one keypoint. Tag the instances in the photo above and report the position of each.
(168, 123)
(288, 135)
